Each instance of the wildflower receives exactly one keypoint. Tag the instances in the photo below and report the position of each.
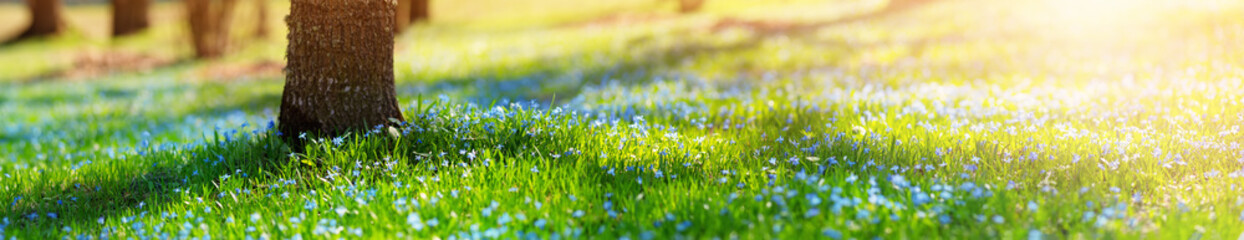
(341, 211)
(812, 212)
(309, 205)
(831, 233)
(540, 223)
(504, 219)
(682, 226)
(1034, 234)
(415, 222)
(535, 169)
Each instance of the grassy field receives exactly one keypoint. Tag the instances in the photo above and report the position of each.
(790, 119)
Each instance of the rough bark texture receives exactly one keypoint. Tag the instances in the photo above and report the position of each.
(261, 22)
(129, 16)
(45, 18)
(420, 11)
(689, 6)
(209, 25)
(340, 71)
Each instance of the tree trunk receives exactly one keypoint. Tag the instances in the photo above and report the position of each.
(209, 25)
(689, 6)
(45, 18)
(402, 14)
(261, 28)
(129, 16)
(420, 10)
(340, 71)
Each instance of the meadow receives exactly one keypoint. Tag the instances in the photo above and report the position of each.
(791, 119)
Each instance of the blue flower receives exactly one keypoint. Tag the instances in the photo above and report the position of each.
(812, 212)
(504, 219)
(831, 233)
(1034, 234)
(540, 223)
(415, 221)
(682, 226)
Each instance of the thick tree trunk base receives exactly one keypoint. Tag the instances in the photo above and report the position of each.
(340, 72)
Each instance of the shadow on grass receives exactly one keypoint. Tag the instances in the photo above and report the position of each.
(143, 181)
(647, 60)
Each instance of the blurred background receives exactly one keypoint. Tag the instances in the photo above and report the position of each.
(84, 39)
(80, 76)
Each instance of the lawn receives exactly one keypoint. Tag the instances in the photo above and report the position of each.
(792, 119)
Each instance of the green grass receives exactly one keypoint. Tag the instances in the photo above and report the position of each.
(956, 119)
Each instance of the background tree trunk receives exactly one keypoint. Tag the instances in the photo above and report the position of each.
(209, 25)
(340, 71)
(45, 18)
(420, 10)
(261, 28)
(689, 6)
(129, 16)
(402, 13)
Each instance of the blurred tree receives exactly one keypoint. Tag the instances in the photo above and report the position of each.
(903, 4)
(402, 13)
(340, 71)
(45, 19)
(690, 6)
(129, 16)
(261, 15)
(420, 10)
(209, 25)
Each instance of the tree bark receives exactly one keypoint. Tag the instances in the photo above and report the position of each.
(209, 25)
(340, 71)
(261, 28)
(689, 6)
(129, 16)
(420, 11)
(45, 19)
